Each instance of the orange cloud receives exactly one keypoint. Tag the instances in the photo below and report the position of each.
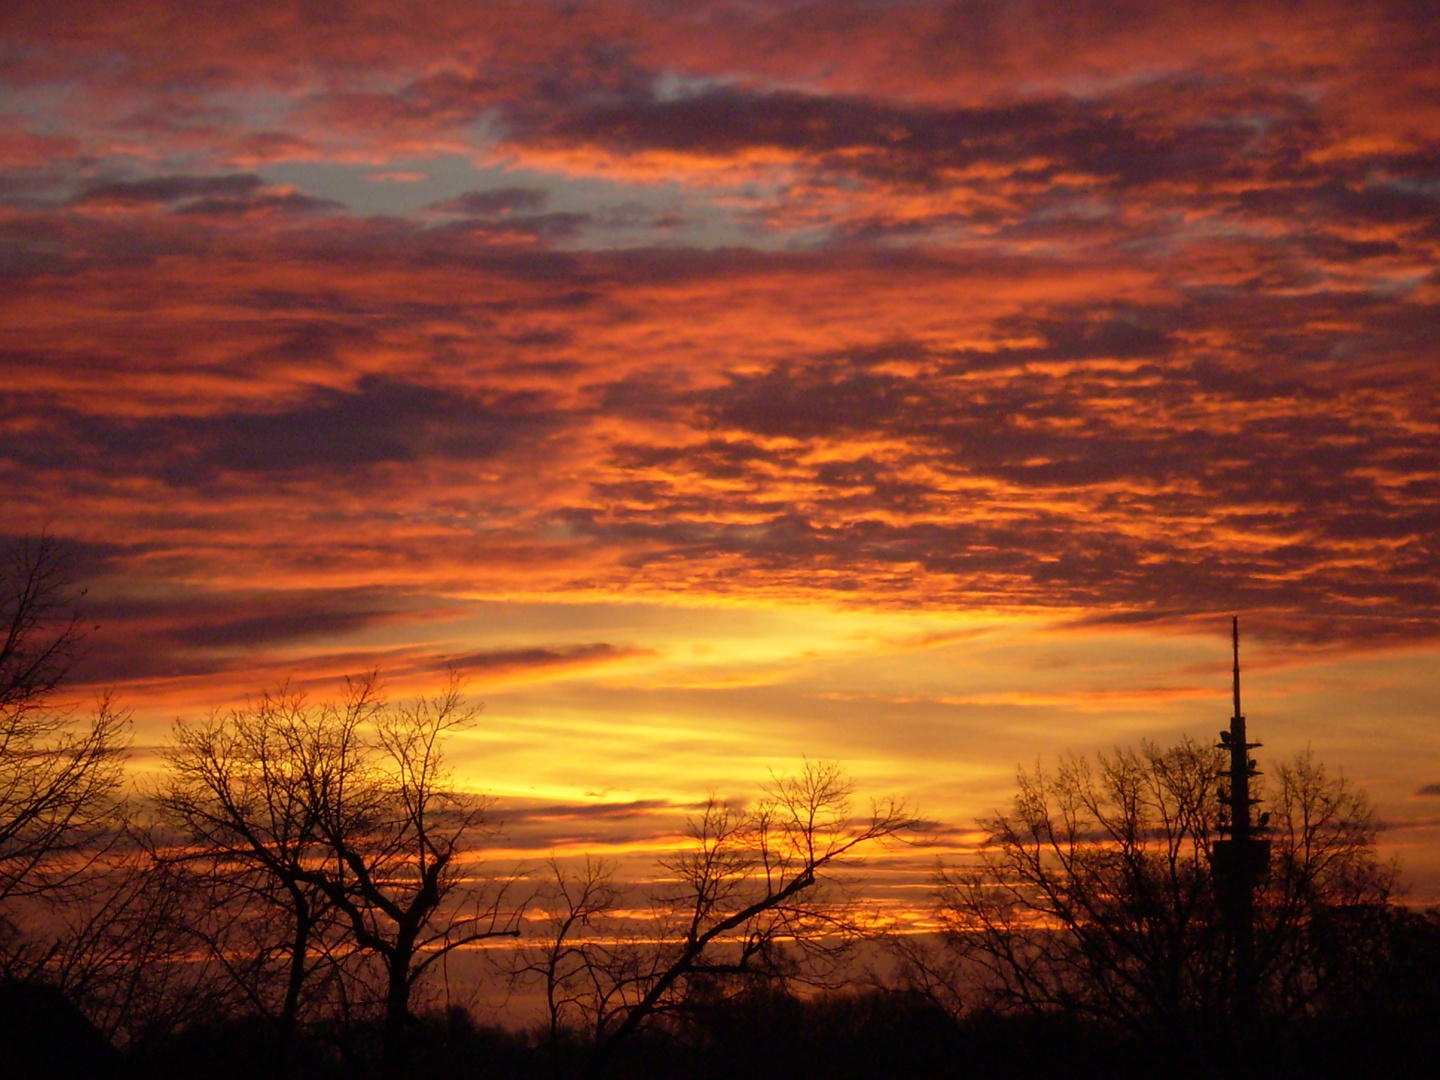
(319, 335)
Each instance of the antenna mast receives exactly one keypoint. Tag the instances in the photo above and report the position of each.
(1235, 651)
(1242, 859)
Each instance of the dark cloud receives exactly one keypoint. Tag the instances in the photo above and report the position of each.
(636, 808)
(1361, 201)
(1113, 142)
(559, 225)
(506, 200)
(379, 422)
(228, 196)
(170, 189)
(290, 202)
(226, 620)
(591, 825)
(785, 402)
(83, 559)
(506, 212)
(517, 660)
(1429, 791)
(716, 458)
(192, 632)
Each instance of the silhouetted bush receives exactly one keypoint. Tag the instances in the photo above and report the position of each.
(43, 1034)
(765, 1033)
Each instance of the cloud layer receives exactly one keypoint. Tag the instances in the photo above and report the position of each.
(322, 330)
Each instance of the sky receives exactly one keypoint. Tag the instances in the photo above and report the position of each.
(721, 384)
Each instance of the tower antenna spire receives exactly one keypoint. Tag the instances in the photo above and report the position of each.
(1242, 859)
(1235, 650)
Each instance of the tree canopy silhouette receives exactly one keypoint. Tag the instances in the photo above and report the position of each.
(59, 774)
(1095, 894)
(757, 895)
(348, 818)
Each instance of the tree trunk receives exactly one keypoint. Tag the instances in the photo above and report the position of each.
(397, 1003)
(290, 1010)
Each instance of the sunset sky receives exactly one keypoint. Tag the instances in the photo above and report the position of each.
(714, 384)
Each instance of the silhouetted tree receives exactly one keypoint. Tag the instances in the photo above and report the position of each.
(125, 951)
(84, 906)
(1095, 894)
(755, 896)
(236, 792)
(580, 960)
(59, 774)
(342, 816)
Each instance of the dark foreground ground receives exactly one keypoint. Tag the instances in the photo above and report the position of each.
(860, 1036)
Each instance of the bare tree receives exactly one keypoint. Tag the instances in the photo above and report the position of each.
(40, 619)
(577, 908)
(124, 950)
(59, 774)
(344, 818)
(396, 834)
(237, 795)
(757, 895)
(1095, 894)
(1324, 872)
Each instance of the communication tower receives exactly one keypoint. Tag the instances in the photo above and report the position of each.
(1241, 857)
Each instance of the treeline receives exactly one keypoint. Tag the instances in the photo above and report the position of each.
(279, 899)
(762, 1032)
